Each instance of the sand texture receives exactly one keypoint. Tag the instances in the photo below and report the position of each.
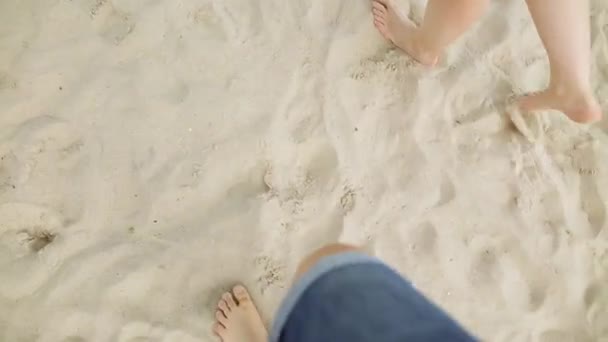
(154, 153)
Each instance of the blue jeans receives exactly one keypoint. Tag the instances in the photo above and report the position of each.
(352, 297)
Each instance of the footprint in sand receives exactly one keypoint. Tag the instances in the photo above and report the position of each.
(447, 191)
(530, 126)
(46, 134)
(596, 307)
(489, 37)
(311, 173)
(523, 287)
(423, 240)
(299, 111)
(139, 332)
(112, 24)
(484, 266)
(550, 238)
(94, 6)
(28, 228)
(9, 170)
(187, 174)
(206, 18)
(46, 159)
(7, 81)
(561, 335)
(320, 160)
(347, 201)
(272, 273)
(241, 21)
(410, 247)
(116, 26)
(386, 65)
(592, 203)
(146, 332)
(468, 107)
(252, 185)
(179, 92)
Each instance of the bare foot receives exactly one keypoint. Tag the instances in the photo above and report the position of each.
(237, 319)
(396, 27)
(580, 106)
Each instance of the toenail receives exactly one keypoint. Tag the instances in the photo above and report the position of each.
(229, 299)
(223, 306)
(220, 316)
(218, 328)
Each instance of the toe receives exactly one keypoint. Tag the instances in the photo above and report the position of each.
(379, 20)
(377, 6)
(224, 307)
(241, 294)
(378, 15)
(227, 297)
(382, 28)
(218, 329)
(383, 3)
(221, 318)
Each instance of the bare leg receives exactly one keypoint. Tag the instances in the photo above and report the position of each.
(321, 253)
(563, 26)
(444, 21)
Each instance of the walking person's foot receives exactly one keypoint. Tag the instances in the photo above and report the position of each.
(396, 27)
(579, 105)
(237, 319)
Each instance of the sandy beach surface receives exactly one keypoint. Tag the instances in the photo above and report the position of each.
(154, 153)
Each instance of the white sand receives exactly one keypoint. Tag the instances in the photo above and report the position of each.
(173, 148)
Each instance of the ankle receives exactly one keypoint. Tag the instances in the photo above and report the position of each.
(565, 83)
(427, 53)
